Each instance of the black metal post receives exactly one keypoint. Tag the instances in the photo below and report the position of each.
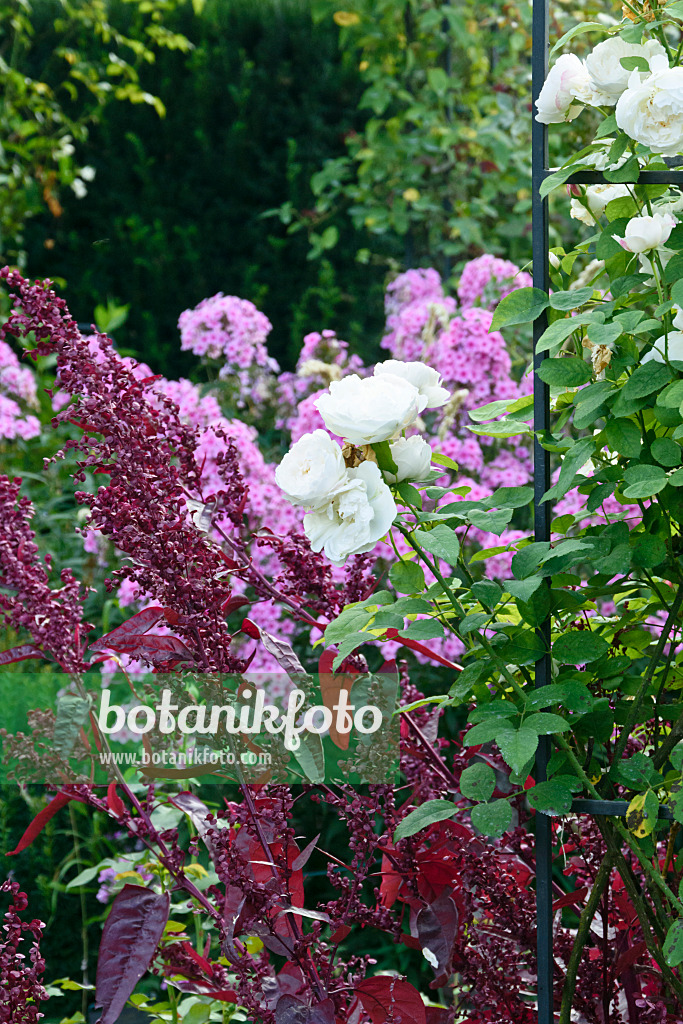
(542, 511)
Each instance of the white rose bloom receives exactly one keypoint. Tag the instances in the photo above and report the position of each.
(370, 409)
(357, 517)
(661, 350)
(312, 471)
(413, 458)
(678, 318)
(651, 109)
(645, 233)
(424, 378)
(597, 197)
(608, 78)
(564, 91)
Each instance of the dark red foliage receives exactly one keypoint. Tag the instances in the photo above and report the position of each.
(21, 987)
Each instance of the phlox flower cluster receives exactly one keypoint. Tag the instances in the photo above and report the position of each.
(488, 279)
(17, 385)
(232, 331)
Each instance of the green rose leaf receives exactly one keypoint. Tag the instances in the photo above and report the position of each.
(545, 724)
(517, 747)
(550, 797)
(423, 629)
(644, 481)
(673, 943)
(423, 816)
(570, 300)
(492, 522)
(519, 307)
(579, 647)
(646, 379)
(492, 819)
(623, 436)
(478, 782)
(566, 372)
(407, 577)
(666, 452)
(440, 541)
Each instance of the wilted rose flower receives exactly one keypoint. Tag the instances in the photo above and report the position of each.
(651, 109)
(566, 89)
(312, 471)
(607, 75)
(424, 378)
(413, 458)
(371, 409)
(644, 233)
(597, 197)
(663, 349)
(356, 519)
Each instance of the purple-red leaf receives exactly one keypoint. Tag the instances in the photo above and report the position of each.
(130, 937)
(197, 812)
(290, 1010)
(40, 821)
(302, 858)
(384, 995)
(437, 927)
(152, 648)
(138, 623)
(20, 654)
(280, 649)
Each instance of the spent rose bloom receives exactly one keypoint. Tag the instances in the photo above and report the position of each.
(356, 518)
(566, 89)
(661, 350)
(413, 458)
(312, 471)
(651, 109)
(607, 75)
(645, 233)
(370, 409)
(597, 197)
(424, 378)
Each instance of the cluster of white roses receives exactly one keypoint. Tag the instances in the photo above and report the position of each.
(349, 506)
(648, 104)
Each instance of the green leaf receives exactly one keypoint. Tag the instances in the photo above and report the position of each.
(573, 695)
(385, 460)
(310, 757)
(644, 481)
(635, 64)
(423, 629)
(579, 647)
(570, 300)
(523, 589)
(627, 174)
(423, 816)
(607, 127)
(444, 460)
(440, 541)
(410, 495)
(560, 330)
(519, 307)
(550, 797)
(492, 522)
(565, 371)
(524, 647)
(478, 782)
(666, 452)
(646, 379)
(559, 177)
(527, 559)
(438, 80)
(623, 436)
(546, 724)
(492, 819)
(672, 395)
(83, 877)
(349, 644)
(407, 577)
(473, 622)
(488, 592)
(572, 462)
(575, 30)
(486, 731)
(641, 816)
(510, 497)
(508, 427)
(673, 943)
(517, 747)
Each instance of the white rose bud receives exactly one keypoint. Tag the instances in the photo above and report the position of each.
(651, 109)
(424, 378)
(645, 233)
(355, 519)
(564, 91)
(661, 350)
(312, 471)
(413, 458)
(371, 409)
(607, 75)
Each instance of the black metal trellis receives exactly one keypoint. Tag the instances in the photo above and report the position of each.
(542, 510)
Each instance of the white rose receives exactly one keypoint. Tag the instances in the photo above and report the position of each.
(644, 233)
(424, 378)
(357, 517)
(651, 109)
(312, 471)
(678, 317)
(661, 350)
(608, 78)
(413, 458)
(370, 409)
(564, 91)
(597, 197)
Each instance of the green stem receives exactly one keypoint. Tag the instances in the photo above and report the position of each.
(585, 921)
